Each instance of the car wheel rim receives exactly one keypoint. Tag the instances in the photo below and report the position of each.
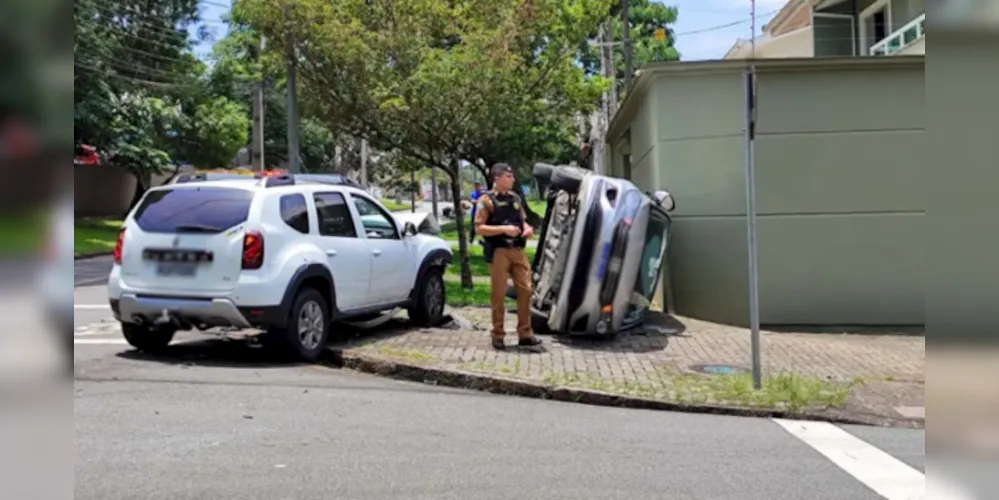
(435, 297)
(310, 325)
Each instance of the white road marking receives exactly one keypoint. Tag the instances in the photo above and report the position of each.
(91, 333)
(879, 471)
(100, 341)
(91, 306)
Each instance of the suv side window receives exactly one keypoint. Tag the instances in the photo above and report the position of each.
(334, 216)
(377, 223)
(295, 212)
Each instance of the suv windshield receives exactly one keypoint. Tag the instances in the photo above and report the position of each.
(204, 209)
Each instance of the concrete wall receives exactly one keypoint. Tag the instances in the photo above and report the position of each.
(840, 207)
(102, 190)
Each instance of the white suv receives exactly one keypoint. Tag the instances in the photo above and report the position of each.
(284, 254)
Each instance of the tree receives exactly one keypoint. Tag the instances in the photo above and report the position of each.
(437, 81)
(645, 17)
(214, 133)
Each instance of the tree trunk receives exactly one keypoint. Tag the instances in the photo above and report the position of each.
(532, 218)
(459, 217)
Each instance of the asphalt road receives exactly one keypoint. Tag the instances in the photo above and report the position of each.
(221, 420)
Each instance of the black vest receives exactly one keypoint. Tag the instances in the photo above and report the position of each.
(505, 212)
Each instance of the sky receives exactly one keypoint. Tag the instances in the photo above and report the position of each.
(705, 29)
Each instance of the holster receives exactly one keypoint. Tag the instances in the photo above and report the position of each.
(488, 249)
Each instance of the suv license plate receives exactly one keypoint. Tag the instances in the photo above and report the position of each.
(182, 269)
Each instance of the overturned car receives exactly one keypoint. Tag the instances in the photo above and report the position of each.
(600, 252)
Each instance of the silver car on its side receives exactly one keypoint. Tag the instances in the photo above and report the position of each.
(600, 252)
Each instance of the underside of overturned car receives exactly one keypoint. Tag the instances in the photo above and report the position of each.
(600, 252)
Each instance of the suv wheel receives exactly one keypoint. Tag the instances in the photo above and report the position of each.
(428, 306)
(308, 326)
(147, 339)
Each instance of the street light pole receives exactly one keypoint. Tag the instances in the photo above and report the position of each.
(626, 38)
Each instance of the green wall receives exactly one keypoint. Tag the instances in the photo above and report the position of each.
(840, 205)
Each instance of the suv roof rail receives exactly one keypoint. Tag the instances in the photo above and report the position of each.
(335, 179)
(276, 180)
(195, 177)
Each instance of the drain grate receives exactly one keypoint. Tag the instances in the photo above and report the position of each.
(719, 369)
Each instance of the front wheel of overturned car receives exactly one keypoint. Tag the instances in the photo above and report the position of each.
(152, 340)
(428, 305)
(568, 179)
(308, 326)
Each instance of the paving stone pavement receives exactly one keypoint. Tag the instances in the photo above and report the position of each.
(666, 343)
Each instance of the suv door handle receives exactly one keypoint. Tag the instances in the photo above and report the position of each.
(376, 252)
(331, 253)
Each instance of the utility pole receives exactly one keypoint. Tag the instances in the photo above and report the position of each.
(257, 141)
(293, 158)
(433, 190)
(629, 70)
(364, 163)
(412, 190)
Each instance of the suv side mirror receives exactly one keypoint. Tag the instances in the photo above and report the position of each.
(409, 229)
(665, 200)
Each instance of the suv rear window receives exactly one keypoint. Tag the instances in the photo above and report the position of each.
(204, 209)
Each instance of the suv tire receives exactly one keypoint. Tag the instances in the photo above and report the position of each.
(568, 179)
(147, 339)
(543, 172)
(308, 326)
(428, 305)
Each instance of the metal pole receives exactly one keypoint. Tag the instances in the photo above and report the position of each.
(257, 141)
(626, 37)
(433, 190)
(364, 163)
(754, 306)
(293, 163)
(412, 189)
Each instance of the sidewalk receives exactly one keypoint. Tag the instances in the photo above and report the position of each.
(869, 378)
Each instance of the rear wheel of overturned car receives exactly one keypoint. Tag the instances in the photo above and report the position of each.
(428, 305)
(152, 340)
(568, 179)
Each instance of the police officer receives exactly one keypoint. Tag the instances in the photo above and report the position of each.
(501, 221)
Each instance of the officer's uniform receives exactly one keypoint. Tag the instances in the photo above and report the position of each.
(508, 260)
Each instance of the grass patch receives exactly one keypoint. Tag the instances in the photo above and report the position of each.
(94, 235)
(22, 233)
(459, 297)
(785, 391)
(410, 354)
(477, 261)
(396, 207)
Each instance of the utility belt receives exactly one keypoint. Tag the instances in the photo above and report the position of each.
(490, 244)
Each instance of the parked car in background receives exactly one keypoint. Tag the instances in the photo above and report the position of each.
(600, 252)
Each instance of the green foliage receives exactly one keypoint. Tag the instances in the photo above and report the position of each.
(215, 132)
(645, 17)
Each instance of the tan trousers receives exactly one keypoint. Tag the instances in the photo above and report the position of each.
(510, 262)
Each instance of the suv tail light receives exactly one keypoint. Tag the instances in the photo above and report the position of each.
(253, 250)
(118, 246)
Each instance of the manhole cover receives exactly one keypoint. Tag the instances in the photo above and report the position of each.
(718, 369)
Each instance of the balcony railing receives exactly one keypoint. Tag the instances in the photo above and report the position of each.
(901, 38)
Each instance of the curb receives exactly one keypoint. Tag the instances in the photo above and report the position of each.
(85, 256)
(495, 384)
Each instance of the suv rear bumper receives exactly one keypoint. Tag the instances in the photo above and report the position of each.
(188, 311)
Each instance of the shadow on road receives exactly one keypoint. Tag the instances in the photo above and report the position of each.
(222, 353)
(652, 336)
(255, 352)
